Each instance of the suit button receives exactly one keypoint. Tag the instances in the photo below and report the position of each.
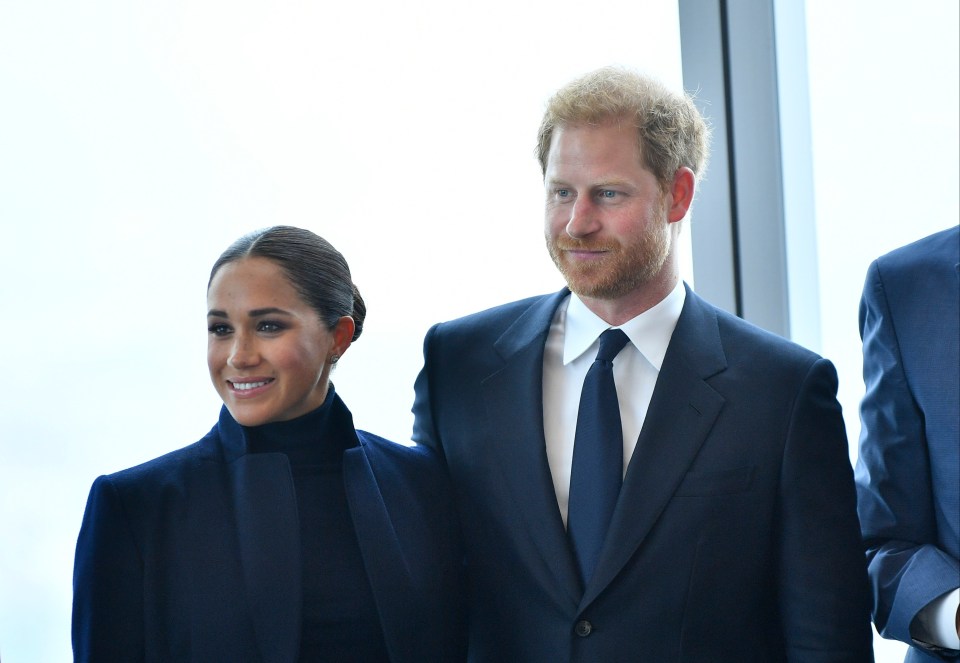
(583, 628)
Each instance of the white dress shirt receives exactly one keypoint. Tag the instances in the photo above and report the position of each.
(572, 346)
(936, 624)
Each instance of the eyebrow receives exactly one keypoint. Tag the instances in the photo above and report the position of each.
(595, 185)
(255, 313)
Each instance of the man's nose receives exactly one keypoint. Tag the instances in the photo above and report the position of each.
(583, 218)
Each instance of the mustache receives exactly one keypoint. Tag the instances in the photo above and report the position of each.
(572, 244)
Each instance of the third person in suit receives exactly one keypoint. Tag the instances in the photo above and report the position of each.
(908, 471)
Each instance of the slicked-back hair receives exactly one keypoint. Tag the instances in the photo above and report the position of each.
(317, 271)
(670, 130)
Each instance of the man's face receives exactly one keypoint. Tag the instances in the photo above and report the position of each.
(605, 225)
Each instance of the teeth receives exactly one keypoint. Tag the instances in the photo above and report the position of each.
(244, 386)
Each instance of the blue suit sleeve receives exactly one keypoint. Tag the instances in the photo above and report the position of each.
(107, 583)
(895, 496)
(824, 596)
(424, 428)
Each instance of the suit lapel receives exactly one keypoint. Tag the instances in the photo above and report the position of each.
(265, 508)
(681, 413)
(513, 397)
(383, 557)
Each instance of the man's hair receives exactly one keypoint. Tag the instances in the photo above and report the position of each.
(670, 129)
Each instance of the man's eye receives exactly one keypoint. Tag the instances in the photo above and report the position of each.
(607, 193)
(562, 193)
(219, 329)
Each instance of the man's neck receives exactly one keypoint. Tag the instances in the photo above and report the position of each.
(617, 311)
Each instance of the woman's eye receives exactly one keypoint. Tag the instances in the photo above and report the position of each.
(219, 329)
(269, 326)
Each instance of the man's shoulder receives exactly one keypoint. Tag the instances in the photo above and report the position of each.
(735, 332)
(503, 315)
(712, 341)
(940, 247)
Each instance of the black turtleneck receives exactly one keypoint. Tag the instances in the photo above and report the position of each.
(340, 621)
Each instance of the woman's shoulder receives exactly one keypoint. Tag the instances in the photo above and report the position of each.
(170, 466)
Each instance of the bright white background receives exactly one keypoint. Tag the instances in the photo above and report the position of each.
(137, 139)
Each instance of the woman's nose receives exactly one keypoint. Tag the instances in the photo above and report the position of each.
(244, 353)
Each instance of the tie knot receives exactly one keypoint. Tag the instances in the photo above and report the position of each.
(611, 343)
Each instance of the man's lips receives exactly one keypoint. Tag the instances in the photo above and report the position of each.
(584, 253)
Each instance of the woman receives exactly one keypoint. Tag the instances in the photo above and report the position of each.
(284, 534)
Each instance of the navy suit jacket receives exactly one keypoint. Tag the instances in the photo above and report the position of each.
(195, 556)
(735, 536)
(908, 472)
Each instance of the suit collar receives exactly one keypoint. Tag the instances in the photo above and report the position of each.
(513, 400)
(649, 332)
(682, 412)
(268, 531)
(268, 536)
(531, 327)
(383, 557)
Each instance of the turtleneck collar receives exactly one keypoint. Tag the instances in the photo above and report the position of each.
(319, 436)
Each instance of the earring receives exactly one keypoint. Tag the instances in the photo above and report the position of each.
(334, 359)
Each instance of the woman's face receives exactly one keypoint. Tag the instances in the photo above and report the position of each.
(267, 350)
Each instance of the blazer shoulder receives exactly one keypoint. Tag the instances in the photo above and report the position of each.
(168, 467)
(743, 339)
(416, 460)
(497, 318)
(940, 248)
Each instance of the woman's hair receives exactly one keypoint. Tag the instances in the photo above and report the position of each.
(670, 130)
(317, 271)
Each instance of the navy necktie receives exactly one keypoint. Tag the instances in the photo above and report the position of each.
(597, 470)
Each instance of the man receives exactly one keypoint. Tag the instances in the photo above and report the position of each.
(734, 534)
(908, 472)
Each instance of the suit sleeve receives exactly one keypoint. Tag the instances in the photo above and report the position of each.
(823, 588)
(907, 569)
(424, 426)
(107, 582)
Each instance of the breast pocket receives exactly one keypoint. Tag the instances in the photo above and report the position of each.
(723, 482)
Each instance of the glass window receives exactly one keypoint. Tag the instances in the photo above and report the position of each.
(884, 108)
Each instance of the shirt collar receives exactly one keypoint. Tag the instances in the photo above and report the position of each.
(649, 332)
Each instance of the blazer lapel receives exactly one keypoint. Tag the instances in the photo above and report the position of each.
(682, 412)
(268, 536)
(383, 557)
(513, 397)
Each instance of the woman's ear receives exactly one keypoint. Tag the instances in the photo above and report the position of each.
(342, 337)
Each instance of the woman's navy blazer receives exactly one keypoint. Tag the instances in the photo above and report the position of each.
(195, 556)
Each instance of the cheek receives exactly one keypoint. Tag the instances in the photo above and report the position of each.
(553, 223)
(303, 359)
(214, 360)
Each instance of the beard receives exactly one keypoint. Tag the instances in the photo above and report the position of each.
(623, 270)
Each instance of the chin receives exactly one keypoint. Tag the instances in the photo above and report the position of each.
(246, 417)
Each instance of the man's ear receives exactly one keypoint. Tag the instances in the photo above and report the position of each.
(681, 194)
